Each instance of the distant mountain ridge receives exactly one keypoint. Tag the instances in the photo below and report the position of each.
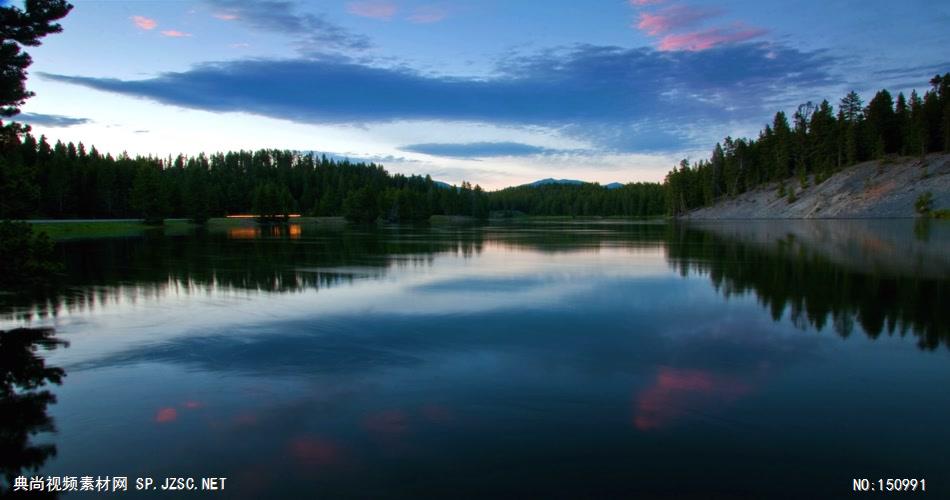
(546, 182)
(570, 182)
(550, 180)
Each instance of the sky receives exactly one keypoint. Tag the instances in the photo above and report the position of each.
(494, 92)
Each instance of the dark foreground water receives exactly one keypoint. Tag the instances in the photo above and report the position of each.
(748, 360)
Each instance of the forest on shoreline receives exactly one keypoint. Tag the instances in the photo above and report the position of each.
(817, 144)
(65, 180)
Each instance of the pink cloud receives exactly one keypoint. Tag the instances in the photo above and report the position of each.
(426, 15)
(166, 415)
(225, 16)
(373, 9)
(704, 40)
(175, 34)
(144, 23)
(640, 3)
(673, 18)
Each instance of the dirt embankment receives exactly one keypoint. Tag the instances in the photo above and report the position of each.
(874, 189)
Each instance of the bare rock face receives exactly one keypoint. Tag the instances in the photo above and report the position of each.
(876, 189)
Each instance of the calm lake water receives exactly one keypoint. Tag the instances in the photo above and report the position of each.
(737, 359)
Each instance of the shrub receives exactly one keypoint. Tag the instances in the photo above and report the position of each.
(924, 203)
(26, 257)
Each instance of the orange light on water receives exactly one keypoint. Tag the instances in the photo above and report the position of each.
(254, 216)
(244, 233)
(294, 231)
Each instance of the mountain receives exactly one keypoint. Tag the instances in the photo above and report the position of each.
(549, 180)
(571, 182)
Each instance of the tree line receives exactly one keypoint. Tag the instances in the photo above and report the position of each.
(67, 181)
(815, 145)
(631, 200)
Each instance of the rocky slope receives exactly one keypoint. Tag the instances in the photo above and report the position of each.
(874, 189)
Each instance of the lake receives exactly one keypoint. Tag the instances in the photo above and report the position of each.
(751, 359)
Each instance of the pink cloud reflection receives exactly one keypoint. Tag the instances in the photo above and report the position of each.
(312, 450)
(388, 423)
(436, 413)
(676, 389)
(166, 415)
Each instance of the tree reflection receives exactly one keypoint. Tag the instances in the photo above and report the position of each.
(787, 275)
(23, 402)
(878, 278)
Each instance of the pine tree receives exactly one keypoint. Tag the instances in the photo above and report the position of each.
(147, 196)
(22, 28)
(901, 123)
(881, 121)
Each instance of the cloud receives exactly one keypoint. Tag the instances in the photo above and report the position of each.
(427, 15)
(640, 3)
(175, 34)
(144, 23)
(363, 157)
(705, 40)
(673, 18)
(226, 16)
(671, 21)
(313, 33)
(51, 120)
(372, 9)
(478, 149)
(586, 87)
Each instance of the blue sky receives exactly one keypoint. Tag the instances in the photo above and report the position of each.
(493, 92)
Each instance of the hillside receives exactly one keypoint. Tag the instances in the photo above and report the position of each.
(874, 189)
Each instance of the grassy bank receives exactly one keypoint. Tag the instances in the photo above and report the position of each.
(72, 229)
(65, 230)
(85, 229)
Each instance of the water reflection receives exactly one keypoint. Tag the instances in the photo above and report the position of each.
(676, 389)
(834, 274)
(883, 284)
(292, 231)
(567, 359)
(24, 402)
